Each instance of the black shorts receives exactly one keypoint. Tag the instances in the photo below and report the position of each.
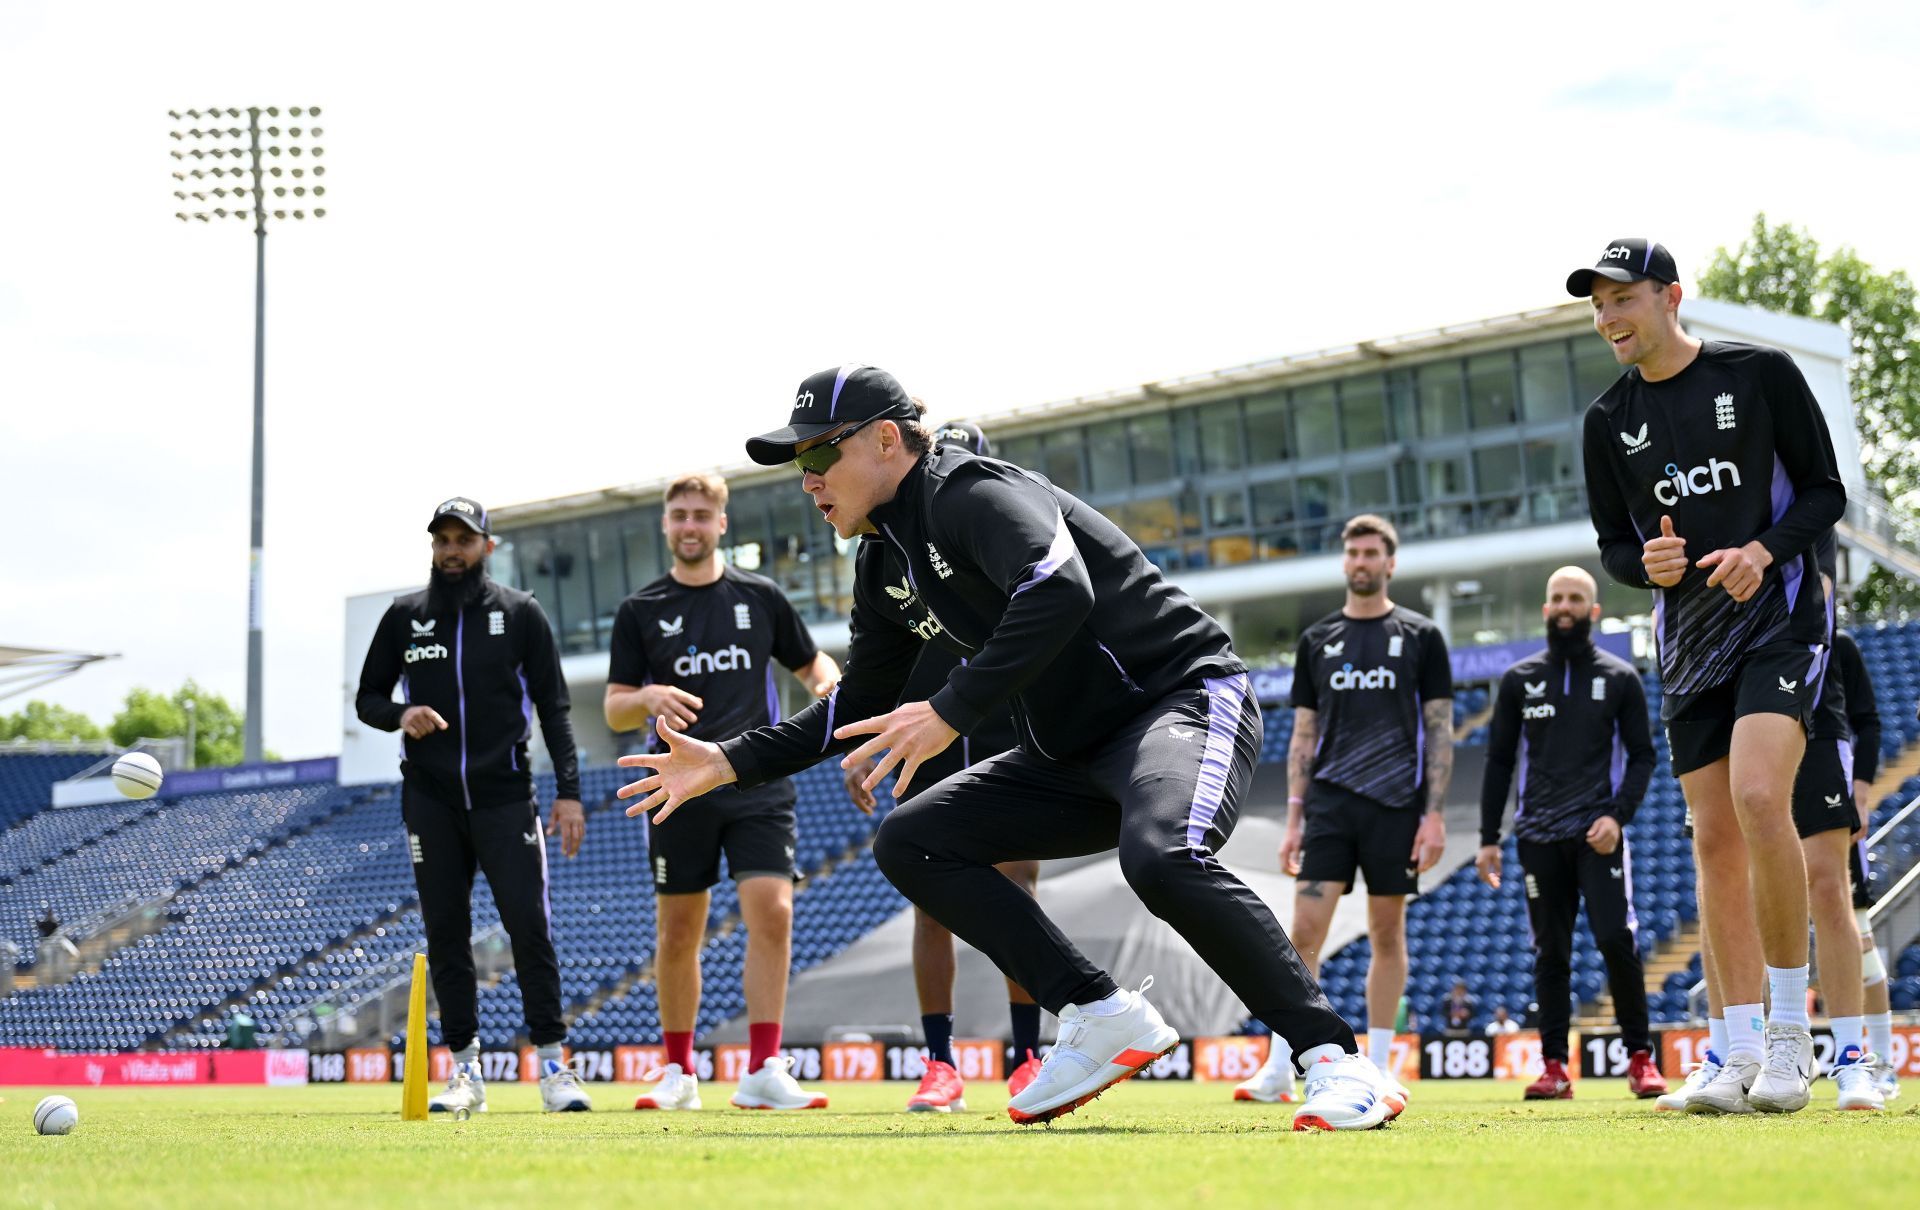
(1345, 831)
(754, 828)
(1823, 789)
(1778, 678)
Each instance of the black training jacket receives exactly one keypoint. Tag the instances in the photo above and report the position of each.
(1578, 726)
(485, 670)
(1734, 448)
(1050, 607)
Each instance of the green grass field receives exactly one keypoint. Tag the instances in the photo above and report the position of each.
(1142, 1145)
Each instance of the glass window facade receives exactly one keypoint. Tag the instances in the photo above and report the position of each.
(1445, 446)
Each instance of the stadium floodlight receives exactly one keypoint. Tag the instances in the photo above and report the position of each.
(246, 149)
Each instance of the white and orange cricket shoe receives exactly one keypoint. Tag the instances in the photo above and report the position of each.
(674, 1088)
(1092, 1054)
(773, 1087)
(941, 1090)
(1343, 1094)
(1272, 1084)
(1023, 1075)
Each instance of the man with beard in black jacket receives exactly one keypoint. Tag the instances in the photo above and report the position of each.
(1138, 731)
(475, 658)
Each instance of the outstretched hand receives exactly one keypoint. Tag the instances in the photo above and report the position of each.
(687, 769)
(910, 734)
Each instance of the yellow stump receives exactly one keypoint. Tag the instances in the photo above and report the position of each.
(413, 1085)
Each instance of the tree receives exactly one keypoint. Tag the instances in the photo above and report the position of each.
(46, 721)
(217, 725)
(1780, 268)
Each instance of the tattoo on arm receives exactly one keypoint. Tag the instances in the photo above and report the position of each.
(1300, 750)
(1438, 717)
(1311, 890)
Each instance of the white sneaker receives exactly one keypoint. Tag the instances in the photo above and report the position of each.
(1886, 1081)
(675, 1089)
(1853, 1074)
(1091, 1055)
(465, 1091)
(1392, 1091)
(1786, 1076)
(560, 1090)
(1343, 1094)
(1701, 1076)
(1726, 1092)
(1272, 1084)
(773, 1087)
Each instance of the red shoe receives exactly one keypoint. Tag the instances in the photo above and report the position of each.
(1643, 1076)
(1553, 1084)
(939, 1092)
(1023, 1075)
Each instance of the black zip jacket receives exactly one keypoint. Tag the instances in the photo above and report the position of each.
(1578, 722)
(1734, 448)
(1051, 608)
(485, 670)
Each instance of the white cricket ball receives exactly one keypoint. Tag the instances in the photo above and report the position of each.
(56, 1115)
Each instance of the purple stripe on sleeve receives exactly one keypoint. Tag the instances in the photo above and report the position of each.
(833, 703)
(1419, 741)
(1058, 553)
(460, 686)
(1846, 762)
(1520, 790)
(1226, 700)
(1617, 772)
(1783, 498)
(526, 707)
(773, 697)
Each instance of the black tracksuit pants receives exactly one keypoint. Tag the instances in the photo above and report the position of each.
(1165, 791)
(1559, 874)
(507, 843)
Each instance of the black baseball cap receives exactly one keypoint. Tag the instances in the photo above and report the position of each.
(827, 400)
(1626, 260)
(467, 512)
(965, 435)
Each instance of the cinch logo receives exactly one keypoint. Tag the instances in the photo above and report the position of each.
(1369, 678)
(1619, 252)
(696, 661)
(1697, 481)
(926, 629)
(803, 401)
(1535, 713)
(416, 653)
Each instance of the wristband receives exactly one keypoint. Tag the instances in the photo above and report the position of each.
(1294, 800)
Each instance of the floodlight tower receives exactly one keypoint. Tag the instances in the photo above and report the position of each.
(231, 157)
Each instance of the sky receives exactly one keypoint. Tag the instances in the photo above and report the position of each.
(570, 246)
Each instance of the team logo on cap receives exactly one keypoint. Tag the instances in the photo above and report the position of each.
(1618, 252)
(803, 401)
(457, 506)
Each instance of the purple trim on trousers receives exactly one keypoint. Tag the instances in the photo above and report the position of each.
(1226, 702)
(1626, 877)
(460, 686)
(1058, 553)
(546, 880)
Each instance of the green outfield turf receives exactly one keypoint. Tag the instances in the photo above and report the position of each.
(1142, 1145)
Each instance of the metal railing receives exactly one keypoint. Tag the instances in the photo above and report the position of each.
(1886, 534)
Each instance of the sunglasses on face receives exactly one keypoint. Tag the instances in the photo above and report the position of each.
(817, 459)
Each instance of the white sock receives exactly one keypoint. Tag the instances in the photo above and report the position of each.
(1717, 1035)
(1326, 1051)
(556, 1052)
(1112, 1006)
(1880, 1035)
(1847, 1031)
(1380, 1047)
(470, 1055)
(1281, 1055)
(1745, 1024)
(1787, 989)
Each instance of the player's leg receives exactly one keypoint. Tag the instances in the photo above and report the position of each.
(1553, 903)
(511, 847)
(1023, 1014)
(1386, 972)
(1876, 1004)
(684, 854)
(1606, 882)
(941, 1090)
(443, 868)
(1179, 772)
(1732, 939)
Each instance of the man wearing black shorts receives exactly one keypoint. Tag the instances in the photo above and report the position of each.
(1138, 732)
(474, 660)
(696, 649)
(1367, 771)
(1710, 477)
(941, 1089)
(1573, 719)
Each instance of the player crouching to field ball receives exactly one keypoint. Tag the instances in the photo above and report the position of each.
(1138, 731)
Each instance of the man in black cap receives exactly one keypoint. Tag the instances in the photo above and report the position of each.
(1710, 477)
(1138, 730)
(475, 658)
(941, 1089)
